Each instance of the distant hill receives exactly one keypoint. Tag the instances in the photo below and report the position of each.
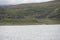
(34, 13)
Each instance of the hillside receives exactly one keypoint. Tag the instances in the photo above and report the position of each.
(34, 13)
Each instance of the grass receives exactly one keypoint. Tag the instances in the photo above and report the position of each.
(34, 13)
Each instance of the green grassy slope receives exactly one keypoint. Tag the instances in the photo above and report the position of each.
(34, 13)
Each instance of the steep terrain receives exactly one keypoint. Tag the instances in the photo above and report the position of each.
(34, 13)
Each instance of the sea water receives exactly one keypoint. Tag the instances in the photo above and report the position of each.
(30, 32)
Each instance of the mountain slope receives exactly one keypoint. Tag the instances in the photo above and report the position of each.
(34, 13)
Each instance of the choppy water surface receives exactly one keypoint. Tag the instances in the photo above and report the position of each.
(32, 32)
